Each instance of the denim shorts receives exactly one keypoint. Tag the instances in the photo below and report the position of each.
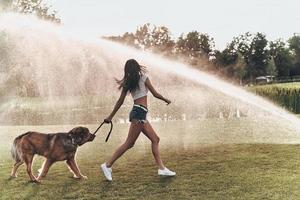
(138, 114)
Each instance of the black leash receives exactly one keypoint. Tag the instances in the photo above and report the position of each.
(111, 127)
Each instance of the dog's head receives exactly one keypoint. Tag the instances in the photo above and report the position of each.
(81, 135)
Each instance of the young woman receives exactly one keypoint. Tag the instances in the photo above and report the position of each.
(137, 83)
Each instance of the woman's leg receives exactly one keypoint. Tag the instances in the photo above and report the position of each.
(134, 132)
(150, 133)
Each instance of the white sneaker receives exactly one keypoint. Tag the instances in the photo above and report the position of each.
(107, 172)
(166, 172)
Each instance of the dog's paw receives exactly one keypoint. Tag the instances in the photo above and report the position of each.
(83, 177)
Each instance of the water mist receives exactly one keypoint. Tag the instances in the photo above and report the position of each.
(48, 70)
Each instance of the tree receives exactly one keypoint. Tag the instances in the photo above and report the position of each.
(258, 56)
(227, 57)
(246, 56)
(235, 56)
(195, 45)
(143, 36)
(161, 40)
(240, 68)
(155, 38)
(207, 44)
(294, 45)
(127, 38)
(242, 44)
(35, 7)
(271, 68)
(148, 37)
(282, 57)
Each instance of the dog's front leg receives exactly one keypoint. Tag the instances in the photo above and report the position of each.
(72, 164)
(45, 168)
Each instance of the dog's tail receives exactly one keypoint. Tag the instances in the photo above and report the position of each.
(16, 153)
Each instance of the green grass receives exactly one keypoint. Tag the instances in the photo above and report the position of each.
(293, 85)
(286, 95)
(204, 171)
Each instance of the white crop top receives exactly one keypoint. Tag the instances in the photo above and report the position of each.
(142, 90)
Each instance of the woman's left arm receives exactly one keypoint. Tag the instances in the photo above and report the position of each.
(155, 93)
(117, 106)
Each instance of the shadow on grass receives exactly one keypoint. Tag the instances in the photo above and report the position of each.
(35, 187)
(8, 180)
(106, 185)
(167, 179)
(164, 181)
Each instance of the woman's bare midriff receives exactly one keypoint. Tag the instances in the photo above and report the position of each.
(141, 101)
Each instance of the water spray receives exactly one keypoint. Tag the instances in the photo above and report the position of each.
(63, 64)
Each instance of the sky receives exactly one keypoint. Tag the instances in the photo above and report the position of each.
(221, 19)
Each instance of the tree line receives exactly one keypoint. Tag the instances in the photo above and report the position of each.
(246, 57)
(32, 7)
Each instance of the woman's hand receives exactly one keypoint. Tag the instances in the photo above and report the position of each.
(107, 120)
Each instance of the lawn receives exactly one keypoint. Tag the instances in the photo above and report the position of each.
(209, 165)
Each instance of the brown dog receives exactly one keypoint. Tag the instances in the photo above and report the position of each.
(55, 147)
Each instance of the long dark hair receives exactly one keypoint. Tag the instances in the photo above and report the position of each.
(132, 74)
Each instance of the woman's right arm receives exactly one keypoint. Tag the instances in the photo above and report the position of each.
(117, 106)
(155, 93)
